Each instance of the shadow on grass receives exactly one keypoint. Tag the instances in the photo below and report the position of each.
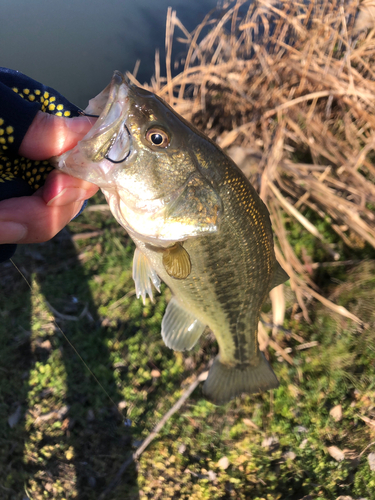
(65, 438)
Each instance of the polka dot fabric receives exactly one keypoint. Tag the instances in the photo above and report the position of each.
(21, 98)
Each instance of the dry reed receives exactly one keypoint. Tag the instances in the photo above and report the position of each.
(288, 90)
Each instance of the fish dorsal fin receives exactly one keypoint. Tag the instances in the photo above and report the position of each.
(177, 262)
(143, 275)
(180, 330)
(279, 276)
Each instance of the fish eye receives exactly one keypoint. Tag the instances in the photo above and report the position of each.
(158, 137)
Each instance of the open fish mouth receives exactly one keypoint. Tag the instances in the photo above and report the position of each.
(110, 138)
(108, 143)
(120, 149)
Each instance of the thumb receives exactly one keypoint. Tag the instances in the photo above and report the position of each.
(50, 135)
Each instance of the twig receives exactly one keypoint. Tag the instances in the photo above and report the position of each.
(281, 351)
(86, 236)
(368, 421)
(154, 433)
(282, 329)
(98, 208)
(307, 345)
(118, 302)
(298, 100)
(67, 317)
(302, 219)
(367, 447)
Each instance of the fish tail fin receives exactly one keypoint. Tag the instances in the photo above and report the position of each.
(224, 383)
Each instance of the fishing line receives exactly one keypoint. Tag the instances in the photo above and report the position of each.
(72, 346)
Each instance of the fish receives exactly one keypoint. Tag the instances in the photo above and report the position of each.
(197, 224)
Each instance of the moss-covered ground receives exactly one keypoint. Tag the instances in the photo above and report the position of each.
(64, 436)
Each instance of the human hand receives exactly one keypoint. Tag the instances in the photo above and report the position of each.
(37, 218)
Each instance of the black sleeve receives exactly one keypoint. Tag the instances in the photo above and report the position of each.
(21, 98)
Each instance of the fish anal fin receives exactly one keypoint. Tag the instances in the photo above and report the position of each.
(279, 276)
(143, 276)
(177, 262)
(225, 383)
(180, 330)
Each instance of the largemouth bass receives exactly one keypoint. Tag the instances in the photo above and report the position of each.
(197, 224)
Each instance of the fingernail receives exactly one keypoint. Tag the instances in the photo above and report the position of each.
(81, 124)
(11, 232)
(67, 196)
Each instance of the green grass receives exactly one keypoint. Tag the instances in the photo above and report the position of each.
(70, 437)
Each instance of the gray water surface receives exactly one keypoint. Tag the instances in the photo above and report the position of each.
(75, 45)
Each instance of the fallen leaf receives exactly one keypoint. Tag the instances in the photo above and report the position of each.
(293, 389)
(90, 415)
(181, 449)
(301, 428)
(303, 444)
(211, 475)
(371, 461)
(289, 455)
(46, 345)
(223, 463)
(14, 418)
(122, 405)
(336, 413)
(65, 425)
(336, 453)
(270, 441)
(249, 423)
(367, 420)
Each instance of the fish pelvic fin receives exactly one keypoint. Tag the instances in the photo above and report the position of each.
(177, 262)
(180, 330)
(143, 276)
(225, 383)
(279, 276)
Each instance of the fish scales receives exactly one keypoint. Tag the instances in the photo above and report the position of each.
(198, 225)
(214, 283)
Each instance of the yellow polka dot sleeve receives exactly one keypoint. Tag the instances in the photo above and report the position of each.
(21, 98)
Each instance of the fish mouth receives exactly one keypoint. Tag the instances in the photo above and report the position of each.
(120, 148)
(109, 142)
(98, 157)
(110, 138)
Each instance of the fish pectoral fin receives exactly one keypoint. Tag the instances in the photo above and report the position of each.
(177, 262)
(279, 276)
(225, 383)
(180, 330)
(143, 276)
(197, 210)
